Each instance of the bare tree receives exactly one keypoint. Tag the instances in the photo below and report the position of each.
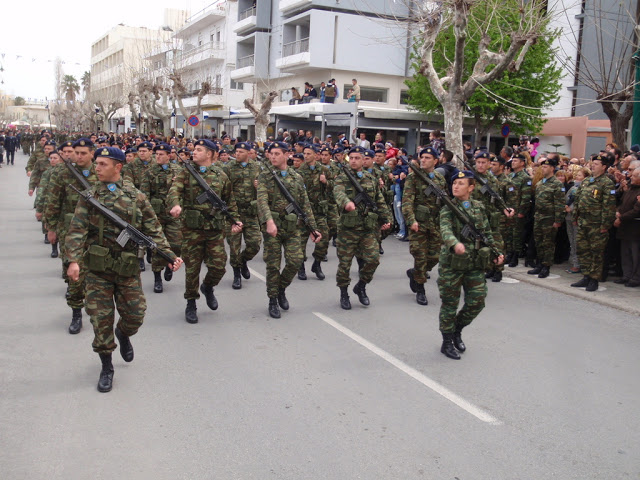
(524, 21)
(261, 116)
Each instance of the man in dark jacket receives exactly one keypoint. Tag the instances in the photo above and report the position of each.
(628, 223)
(10, 145)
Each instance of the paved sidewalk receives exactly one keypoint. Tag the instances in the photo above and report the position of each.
(609, 294)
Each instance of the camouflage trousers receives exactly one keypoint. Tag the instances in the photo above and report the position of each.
(102, 290)
(545, 237)
(353, 242)
(591, 244)
(173, 231)
(475, 291)
(76, 289)
(424, 246)
(322, 247)
(498, 241)
(202, 246)
(252, 239)
(516, 235)
(286, 242)
(332, 220)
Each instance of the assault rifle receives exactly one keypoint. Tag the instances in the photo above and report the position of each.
(485, 188)
(81, 178)
(469, 230)
(293, 206)
(361, 195)
(129, 232)
(209, 195)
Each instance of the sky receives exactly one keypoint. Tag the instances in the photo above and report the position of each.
(30, 42)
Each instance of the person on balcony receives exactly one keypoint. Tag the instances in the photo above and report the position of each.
(309, 93)
(295, 96)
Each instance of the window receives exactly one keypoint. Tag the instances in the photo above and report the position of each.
(236, 85)
(368, 94)
(218, 36)
(404, 97)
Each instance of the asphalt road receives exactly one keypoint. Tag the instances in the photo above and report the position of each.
(547, 389)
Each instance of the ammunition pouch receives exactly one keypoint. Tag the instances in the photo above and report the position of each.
(494, 220)
(422, 213)
(371, 221)
(322, 208)
(99, 259)
(286, 223)
(350, 219)
(462, 262)
(193, 219)
(67, 220)
(158, 206)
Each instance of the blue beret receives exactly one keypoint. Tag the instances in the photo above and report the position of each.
(173, 148)
(519, 156)
(311, 146)
(281, 145)
(50, 143)
(462, 174)
(635, 148)
(298, 156)
(243, 146)
(130, 150)
(482, 154)
(338, 150)
(369, 153)
(203, 142)
(65, 144)
(110, 152)
(162, 147)
(184, 150)
(146, 145)
(429, 151)
(83, 142)
(325, 149)
(357, 150)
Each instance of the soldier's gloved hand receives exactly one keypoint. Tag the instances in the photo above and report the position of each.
(177, 263)
(459, 248)
(271, 228)
(73, 272)
(175, 211)
(236, 228)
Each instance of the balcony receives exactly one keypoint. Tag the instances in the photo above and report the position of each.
(202, 19)
(194, 93)
(289, 6)
(295, 55)
(207, 52)
(247, 20)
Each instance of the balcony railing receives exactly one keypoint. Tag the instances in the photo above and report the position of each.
(249, 12)
(209, 49)
(248, 61)
(195, 92)
(299, 46)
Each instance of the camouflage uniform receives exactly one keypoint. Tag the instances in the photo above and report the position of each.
(424, 245)
(43, 193)
(549, 201)
(332, 216)
(383, 172)
(61, 204)
(271, 206)
(203, 231)
(358, 230)
(318, 194)
(38, 154)
(112, 271)
(134, 171)
(522, 204)
(595, 210)
(245, 195)
(41, 165)
(466, 271)
(492, 211)
(156, 183)
(507, 191)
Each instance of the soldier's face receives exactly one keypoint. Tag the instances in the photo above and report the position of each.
(462, 188)
(162, 157)
(428, 161)
(278, 158)
(202, 155)
(43, 140)
(68, 153)
(547, 170)
(380, 158)
(598, 168)
(325, 157)
(482, 165)
(242, 155)
(355, 161)
(367, 162)
(108, 170)
(55, 159)
(309, 156)
(144, 154)
(48, 149)
(83, 155)
(517, 163)
(339, 157)
(130, 157)
(495, 168)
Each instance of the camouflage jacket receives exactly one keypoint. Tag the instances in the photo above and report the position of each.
(271, 199)
(318, 192)
(345, 192)
(62, 199)
(89, 228)
(550, 199)
(41, 166)
(156, 183)
(43, 192)
(595, 202)
(523, 191)
(242, 178)
(416, 205)
(35, 156)
(134, 171)
(451, 227)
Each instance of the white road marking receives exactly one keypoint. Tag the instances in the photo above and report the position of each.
(509, 280)
(257, 275)
(412, 372)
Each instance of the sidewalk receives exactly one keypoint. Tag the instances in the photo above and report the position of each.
(608, 293)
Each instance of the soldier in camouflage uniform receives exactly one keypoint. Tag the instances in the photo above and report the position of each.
(203, 228)
(548, 216)
(318, 183)
(332, 216)
(594, 213)
(37, 154)
(422, 214)
(522, 205)
(358, 228)
(462, 265)
(156, 183)
(43, 192)
(494, 214)
(61, 204)
(507, 191)
(112, 270)
(134, 171)
(280, 230)
(243, 173)
(130, 154)
(385, 174)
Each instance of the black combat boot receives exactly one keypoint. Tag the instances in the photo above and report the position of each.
(237, 280)
(46, 239)
(381, 250)
(302, 273)
(67, 294)
(593, 285)
(54, 250)
(149, 253)
(190, 313)
(412, 282)
(514, 260)
(544, 272)
(315, 268)
(457, 340)
(447, 346)
(105, 383)
(421, 296)
(360, 290)
(168, 274)
(508, 258)
(497, 277)
(325, 259)
(244, 270)
(141, 263)
(76, 321)
(207, 291)
(333, 242)
(489, 275)
(581, 283)
(126, 349)
(282, 300)
(536, 270)
(274, 311)
(360, 263)
(345, 303)
(157, 282)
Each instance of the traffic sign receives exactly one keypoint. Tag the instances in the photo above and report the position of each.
(506, 130)
(193, 121)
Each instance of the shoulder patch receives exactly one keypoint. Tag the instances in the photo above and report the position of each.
(613, 192)
(529, 182)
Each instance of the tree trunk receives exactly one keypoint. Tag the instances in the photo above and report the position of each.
(453, 118)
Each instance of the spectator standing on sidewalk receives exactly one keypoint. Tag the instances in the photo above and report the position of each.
(628, 224)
